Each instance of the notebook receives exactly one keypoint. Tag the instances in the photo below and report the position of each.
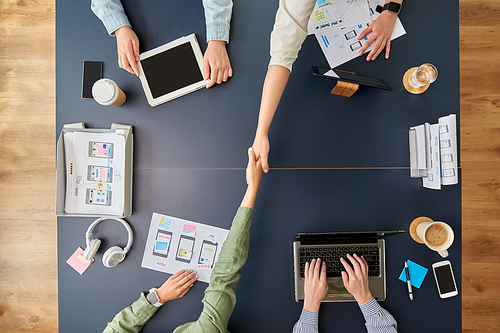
(329, 247)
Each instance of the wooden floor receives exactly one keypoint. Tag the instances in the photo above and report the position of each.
(28, 250)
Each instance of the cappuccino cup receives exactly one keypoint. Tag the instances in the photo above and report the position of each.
(107, 92)
(438, 236)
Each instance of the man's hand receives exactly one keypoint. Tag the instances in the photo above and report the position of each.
(254, 169)
(261, 148)
(315, 286)
(381, 30)
(127, 45)
(216, 65)
(355, 278)
(177, 285)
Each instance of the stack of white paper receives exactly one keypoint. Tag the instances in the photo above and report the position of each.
(433, 153)
(95, 164)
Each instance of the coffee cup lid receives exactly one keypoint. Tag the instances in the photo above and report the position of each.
(104, 91)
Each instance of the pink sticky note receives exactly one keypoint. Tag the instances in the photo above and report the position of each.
(189, 227)
(76, 263)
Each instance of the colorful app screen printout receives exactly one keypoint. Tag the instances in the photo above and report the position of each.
(207, 253)
(185, 248)
(102, 149)
(162, 243)
(103, 173)
(98, 198)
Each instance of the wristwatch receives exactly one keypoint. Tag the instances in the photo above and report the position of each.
(392, 7)
(153, 298)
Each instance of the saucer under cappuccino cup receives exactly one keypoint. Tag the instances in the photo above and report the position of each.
(438, 236)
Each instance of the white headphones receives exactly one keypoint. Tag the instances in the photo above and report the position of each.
(115, 254)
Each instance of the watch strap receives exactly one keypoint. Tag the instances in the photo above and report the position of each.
(153, 298)
(392, 7)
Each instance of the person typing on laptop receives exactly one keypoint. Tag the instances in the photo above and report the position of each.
(355, 279)
(220, 295)
(216, 64)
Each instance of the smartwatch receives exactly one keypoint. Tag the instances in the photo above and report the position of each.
(392, 7)
(153, 298)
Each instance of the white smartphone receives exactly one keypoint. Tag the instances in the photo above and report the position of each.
(445, 280)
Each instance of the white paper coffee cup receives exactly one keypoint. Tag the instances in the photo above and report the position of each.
(107, 92)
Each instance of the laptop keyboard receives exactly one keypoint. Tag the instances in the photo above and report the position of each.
(331, 256)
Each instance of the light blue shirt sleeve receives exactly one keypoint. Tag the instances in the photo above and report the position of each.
(307, 323)
(378, 320)
(217, 16)
(218, 19)
(111, 13)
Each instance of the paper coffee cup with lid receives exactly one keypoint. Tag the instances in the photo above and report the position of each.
(107, 92)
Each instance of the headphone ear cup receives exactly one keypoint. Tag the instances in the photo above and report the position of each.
(91, 250)
(113, 256)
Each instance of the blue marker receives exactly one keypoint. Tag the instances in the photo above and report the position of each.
(324, 41)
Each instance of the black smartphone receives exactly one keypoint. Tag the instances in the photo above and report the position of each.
(92, 71)
(338, 74)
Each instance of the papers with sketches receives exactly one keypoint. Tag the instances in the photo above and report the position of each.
(328, 14)
(341, 44)
(433, 152)
(174, 244)
(448, 149)
(95, 164)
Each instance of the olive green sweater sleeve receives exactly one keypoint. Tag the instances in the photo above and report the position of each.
(220, 296)
(132, 318)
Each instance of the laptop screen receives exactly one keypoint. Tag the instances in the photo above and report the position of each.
(340, 237)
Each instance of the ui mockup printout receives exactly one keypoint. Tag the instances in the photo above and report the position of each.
(174, 244)
(341, 44)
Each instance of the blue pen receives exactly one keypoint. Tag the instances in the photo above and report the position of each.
(408, 282)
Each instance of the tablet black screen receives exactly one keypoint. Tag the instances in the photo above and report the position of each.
(171, 70)
(351, 77)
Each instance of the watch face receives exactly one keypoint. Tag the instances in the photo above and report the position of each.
(394, 7)
(153, 298)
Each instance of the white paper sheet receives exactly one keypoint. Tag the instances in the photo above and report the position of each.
(78, 182)
(341, 44)
(170, 236)
(437, 145)
(328, 14)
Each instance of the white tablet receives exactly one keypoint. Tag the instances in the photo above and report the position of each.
(172, 70)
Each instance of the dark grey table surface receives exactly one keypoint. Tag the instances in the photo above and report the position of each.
(184, 148)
